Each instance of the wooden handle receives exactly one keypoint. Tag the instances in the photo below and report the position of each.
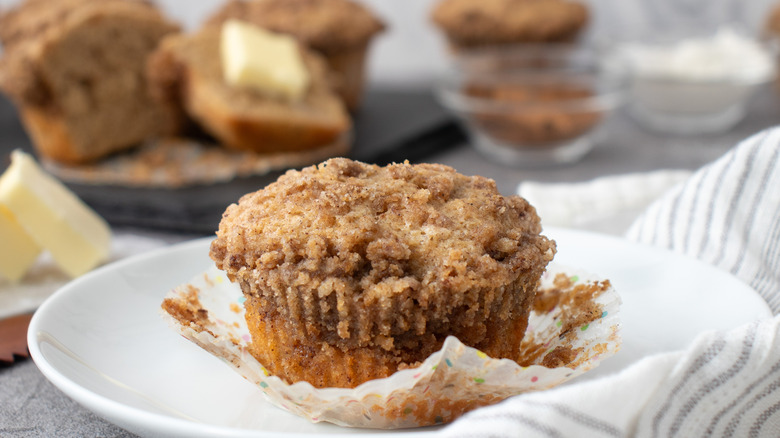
(13, 337)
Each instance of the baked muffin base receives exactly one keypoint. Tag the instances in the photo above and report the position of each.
(318, 363)
(307, 358)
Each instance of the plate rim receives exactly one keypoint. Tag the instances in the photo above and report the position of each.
(98, 404)
(120, 413)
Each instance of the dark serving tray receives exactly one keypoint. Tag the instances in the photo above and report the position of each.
(392, 126)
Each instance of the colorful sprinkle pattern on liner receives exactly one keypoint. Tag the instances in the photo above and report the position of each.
(471, 368)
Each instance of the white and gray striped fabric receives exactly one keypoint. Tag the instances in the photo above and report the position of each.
(726, 384)
(728, 215)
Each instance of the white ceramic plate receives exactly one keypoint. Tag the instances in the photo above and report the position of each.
(100, 339)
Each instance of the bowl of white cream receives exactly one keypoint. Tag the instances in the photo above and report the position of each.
(695, 85)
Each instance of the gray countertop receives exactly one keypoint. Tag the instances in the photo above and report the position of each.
(30, 406)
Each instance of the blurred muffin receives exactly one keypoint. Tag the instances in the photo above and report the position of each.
(340, 30)
(353, 271)
(480, 23)
(772, 22)
(75, 69)
(187, 78)
(30, 18)
(771, 32)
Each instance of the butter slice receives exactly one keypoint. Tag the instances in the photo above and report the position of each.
(266, 61)
(18, 250)
(77, 238)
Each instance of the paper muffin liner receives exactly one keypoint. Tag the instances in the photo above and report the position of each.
(573, 327)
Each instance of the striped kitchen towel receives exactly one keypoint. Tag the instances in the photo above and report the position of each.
(725, 384)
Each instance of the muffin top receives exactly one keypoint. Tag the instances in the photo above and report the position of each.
(32, 18)
(363, 255)
(324, 25)
(469, 23)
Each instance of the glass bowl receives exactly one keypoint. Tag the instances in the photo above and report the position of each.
(696, 84)
(680, 106)
(532, 118)
(507, 58)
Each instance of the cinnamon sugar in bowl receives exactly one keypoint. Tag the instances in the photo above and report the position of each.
(533, 117)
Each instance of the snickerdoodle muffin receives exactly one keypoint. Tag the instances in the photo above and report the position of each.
(353, 271)
(340, 30)
(75, 70)
(482, 23)
(186, 77)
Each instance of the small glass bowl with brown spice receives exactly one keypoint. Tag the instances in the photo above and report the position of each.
(535, 117)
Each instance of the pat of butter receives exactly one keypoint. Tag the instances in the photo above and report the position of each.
(256, 58)
(77, 238)
(18, 250)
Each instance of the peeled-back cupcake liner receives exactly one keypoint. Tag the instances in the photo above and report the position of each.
(573, 327)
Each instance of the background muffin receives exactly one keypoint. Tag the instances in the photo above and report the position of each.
(340, 30)
(352, 271)
(187, 78)
(75, 69)
(771, 32)
(479, 23)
